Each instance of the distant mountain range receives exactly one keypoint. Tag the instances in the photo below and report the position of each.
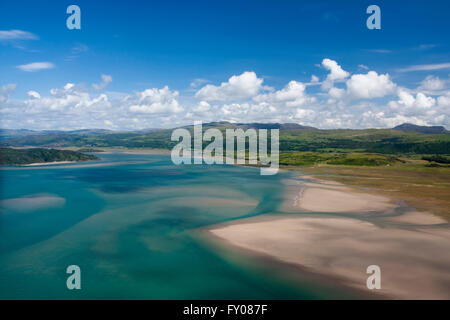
(403, 139)
(420, 129)
(14, 133)
(5, 133)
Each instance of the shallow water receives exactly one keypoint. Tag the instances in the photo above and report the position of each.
(129, 222)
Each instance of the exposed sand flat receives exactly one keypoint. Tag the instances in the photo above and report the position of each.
(412, 249)
(47, 163)
(342, 200)
(416, 217)
(414, 264)
(32, 202)
(137, 151)
(314, 195)
(328, 196)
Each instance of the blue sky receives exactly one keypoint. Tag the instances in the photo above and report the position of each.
(186, 45)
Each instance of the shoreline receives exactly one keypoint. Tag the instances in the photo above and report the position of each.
(336, 231)
(47, 163)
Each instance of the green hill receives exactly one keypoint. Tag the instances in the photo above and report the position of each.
(343, 146)
(9, 156)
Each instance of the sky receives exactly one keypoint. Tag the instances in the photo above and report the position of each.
(159, 64)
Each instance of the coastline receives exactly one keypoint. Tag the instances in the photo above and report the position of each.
(337, 231)
(47, 163)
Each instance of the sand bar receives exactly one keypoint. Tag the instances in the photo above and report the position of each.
(414, 264)
(412, 249)
(47, 163)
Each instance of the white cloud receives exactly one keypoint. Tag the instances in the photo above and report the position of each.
(380, 50)
(336, 73)
(17, 35)
(353, 101)
(292, 95)
(76, 51)
(370, 85)
(427, 46)
(69, 101)
(336, 93)
(109, 124)
(314, 79)
(33, 94)
(36, 66)
(432, 84)
(106, 79)
(239, 87)
(304, 115)
(156, 101)
(444, 101)
(408, 104)
(426, 67)
(203, 106)
(69, 86)
(6, 90)
(197, 82)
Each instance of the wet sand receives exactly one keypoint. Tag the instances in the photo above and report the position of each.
(47, 163)
(411, 248)
(33, 202)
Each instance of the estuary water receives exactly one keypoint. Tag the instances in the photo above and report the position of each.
(130, 222)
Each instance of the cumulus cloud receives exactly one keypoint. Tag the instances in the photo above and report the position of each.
(351, 101)
(292, 95)
(6, 90)
(106, 79)
(243, 86)
(444, 101)
(33, 94)
(432, 84)
(314, 79)
(336, 93)
(36, 66)
(203, 106)
(70, 100)
(156, 101)
(370, 85)
(407, 101)
(336, 71)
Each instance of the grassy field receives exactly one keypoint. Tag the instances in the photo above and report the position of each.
(337, 158)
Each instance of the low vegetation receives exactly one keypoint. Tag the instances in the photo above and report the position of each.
(90, 150)
(424, 188)
(336, 158)
(9, 156)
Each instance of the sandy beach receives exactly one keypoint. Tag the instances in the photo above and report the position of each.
(47, 163)
(355, 229)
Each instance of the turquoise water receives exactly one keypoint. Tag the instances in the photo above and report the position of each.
(131, 223)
